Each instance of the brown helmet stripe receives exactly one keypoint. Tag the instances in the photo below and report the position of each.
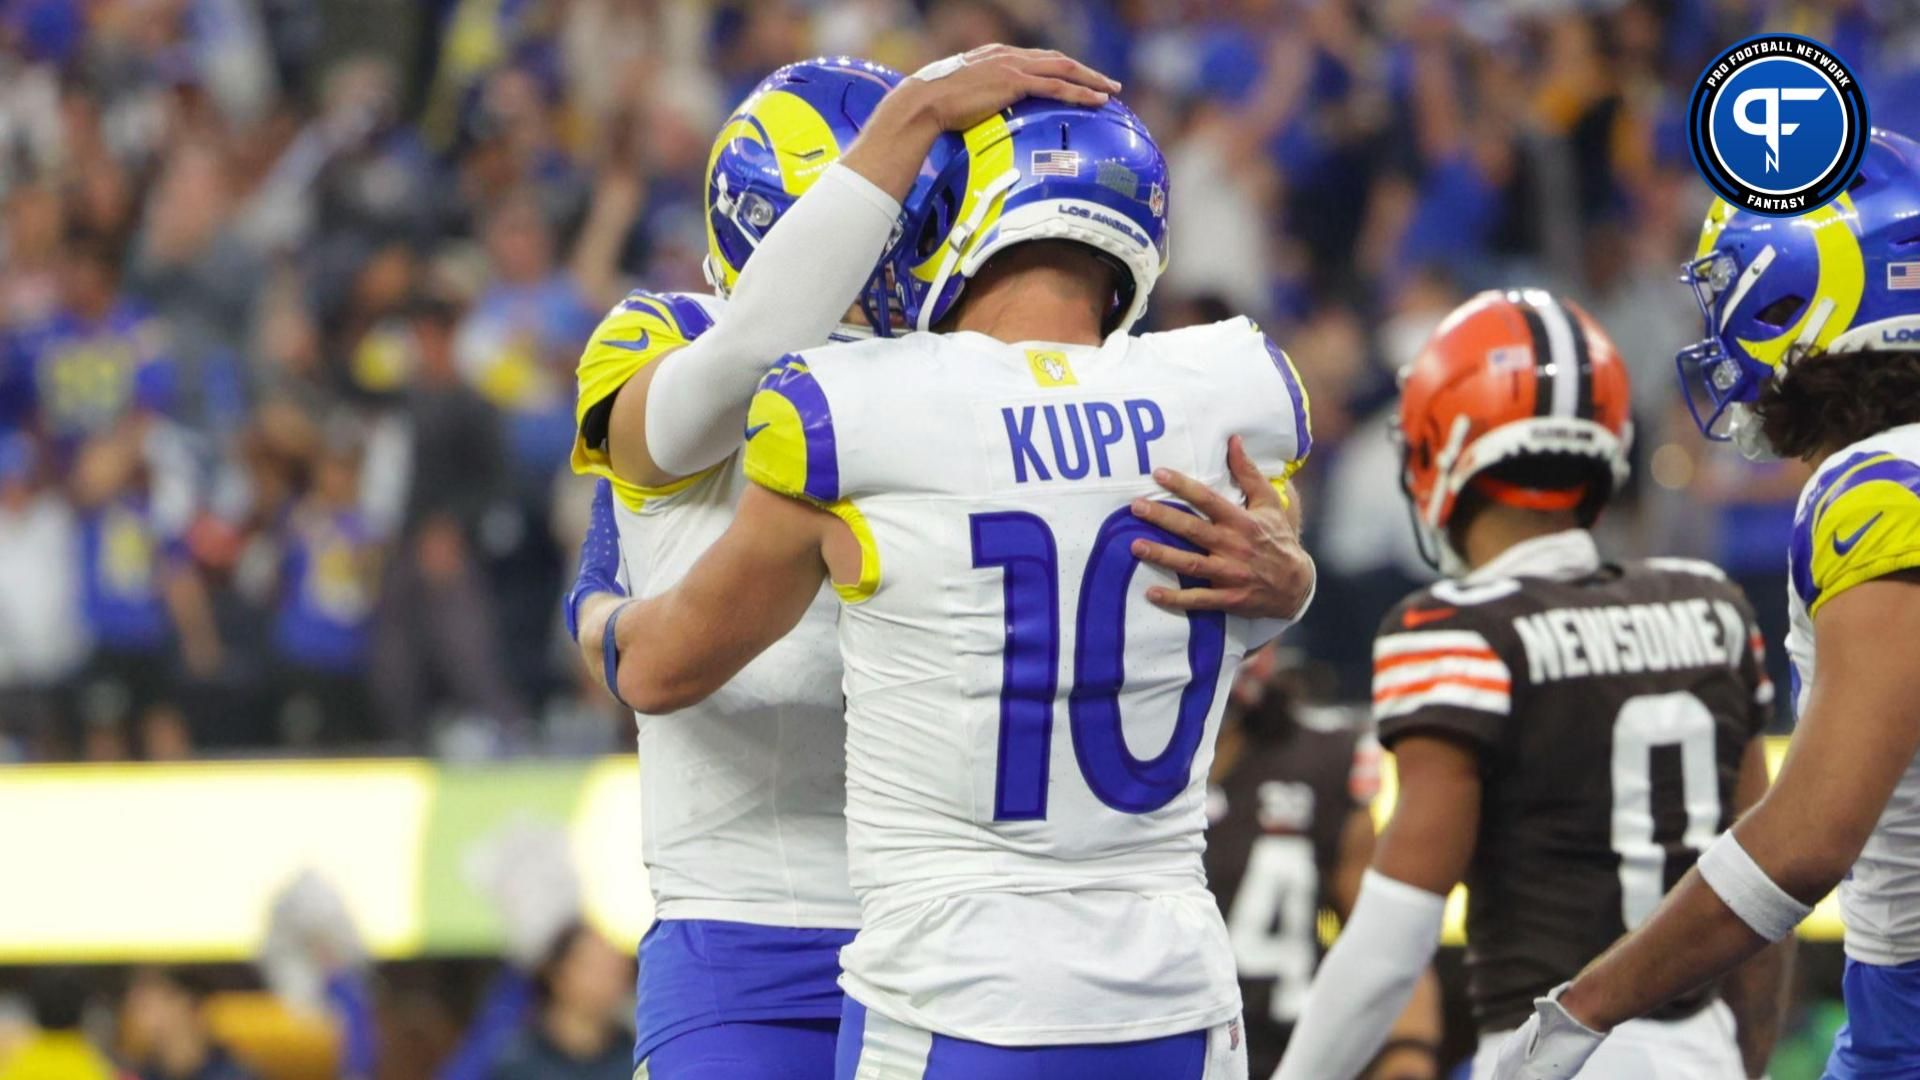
(1542, 353)
(1583, 360)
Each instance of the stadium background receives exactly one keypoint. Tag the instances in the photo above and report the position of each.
(290, 296)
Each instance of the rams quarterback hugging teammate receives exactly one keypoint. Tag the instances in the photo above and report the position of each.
(979, 495)
(744, 835)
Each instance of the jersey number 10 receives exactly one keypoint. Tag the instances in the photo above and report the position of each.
(1022, 546)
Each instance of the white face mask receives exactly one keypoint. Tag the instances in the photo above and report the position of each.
(1743, 430)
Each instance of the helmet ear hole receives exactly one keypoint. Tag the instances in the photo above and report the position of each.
(1781, 312)
(937, 224)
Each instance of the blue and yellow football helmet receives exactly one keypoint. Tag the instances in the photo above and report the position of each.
(1041, 170)
(795, 124)
(1842, 278)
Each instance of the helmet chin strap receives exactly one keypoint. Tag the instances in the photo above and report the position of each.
(957, 240)
(1451, 563)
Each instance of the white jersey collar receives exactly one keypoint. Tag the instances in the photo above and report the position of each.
(1562, 555)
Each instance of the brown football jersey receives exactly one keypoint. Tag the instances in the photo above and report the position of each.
(1610, 709)
(1273, 840)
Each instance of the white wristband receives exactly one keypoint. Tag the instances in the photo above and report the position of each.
(1733, 876)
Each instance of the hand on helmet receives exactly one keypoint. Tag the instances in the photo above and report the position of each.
(960, 91)
(955, 94)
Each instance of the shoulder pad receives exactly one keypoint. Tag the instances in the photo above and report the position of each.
(790, 440)
(1860, 521)
(1282, 437)
(639, 330)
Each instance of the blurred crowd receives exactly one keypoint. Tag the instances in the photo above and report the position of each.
(311, 1006)
(291, 293)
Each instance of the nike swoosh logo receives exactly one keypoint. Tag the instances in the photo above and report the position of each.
(639, 344)
(808, 155)
(755, 429)
(1841, 547)
(1416, 618)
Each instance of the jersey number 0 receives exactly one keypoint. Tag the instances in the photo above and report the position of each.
(1022, 546)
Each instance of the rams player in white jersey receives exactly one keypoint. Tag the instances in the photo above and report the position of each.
(1812, 351)
(1028, 735)
(743, 793)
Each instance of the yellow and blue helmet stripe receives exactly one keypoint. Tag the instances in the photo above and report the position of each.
(1840, 278)
(787, 132)
(1039, 170)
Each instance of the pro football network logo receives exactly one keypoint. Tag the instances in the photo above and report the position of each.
(1778, 124)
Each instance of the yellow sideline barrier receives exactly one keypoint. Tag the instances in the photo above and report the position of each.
(178, 863)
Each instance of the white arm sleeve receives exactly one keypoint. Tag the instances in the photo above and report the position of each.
(1365, 981)
(790, 296)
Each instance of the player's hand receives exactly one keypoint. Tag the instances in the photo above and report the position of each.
(1250, 555)
(955, 94)
(962, 90)
(1551, 1045)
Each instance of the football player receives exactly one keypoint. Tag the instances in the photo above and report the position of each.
(1812, 351)
(1569, 733)
(743, 794)
(1289, 834)
(1028, 735)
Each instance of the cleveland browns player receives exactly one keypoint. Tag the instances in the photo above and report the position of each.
(1570, 733)
(1289, 834)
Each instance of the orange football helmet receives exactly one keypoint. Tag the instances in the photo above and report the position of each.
(1509, 377)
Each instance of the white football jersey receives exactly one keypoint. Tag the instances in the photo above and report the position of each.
(742, 795)
(1028, 738)
(1859, 519)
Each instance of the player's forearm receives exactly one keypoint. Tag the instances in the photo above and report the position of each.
(1365, 981)
(1413, 1045)
(688, 413)
(1692, 937)
(1757, 993)
(667, 659)
(593, 624)
(897, 139)
(596, 254)
(1790, 850)
(749, 590)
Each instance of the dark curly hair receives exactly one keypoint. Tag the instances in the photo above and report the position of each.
(1826, 401)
